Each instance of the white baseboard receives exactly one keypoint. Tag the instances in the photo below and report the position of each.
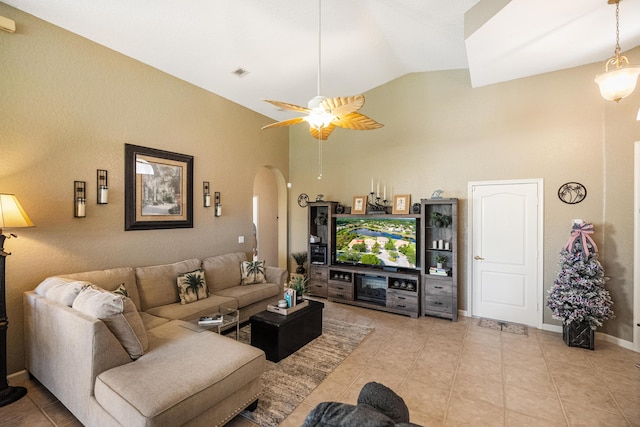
(615, 340)
(551, 328)
(599, 335)
(19, 376)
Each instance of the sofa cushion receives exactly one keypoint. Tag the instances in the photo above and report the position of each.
(223, 271)
(192, 286)
(157, 283)
(249, 294)
(110, 280)
(118, 313)
(203, 307)
(60, 290)
(182, 391)
(252, 272)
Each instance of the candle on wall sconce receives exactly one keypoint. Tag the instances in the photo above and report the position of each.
(218, 205)
(103, 187)
(206, 194)
(79, 199)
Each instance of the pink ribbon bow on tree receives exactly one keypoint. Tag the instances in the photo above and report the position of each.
(582, 231)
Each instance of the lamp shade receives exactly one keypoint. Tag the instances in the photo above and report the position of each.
(11, 212)
(617, 84)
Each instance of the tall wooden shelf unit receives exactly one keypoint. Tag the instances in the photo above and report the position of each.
(320, 222)
(439, 293)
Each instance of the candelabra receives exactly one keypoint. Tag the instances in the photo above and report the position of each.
(376, 205)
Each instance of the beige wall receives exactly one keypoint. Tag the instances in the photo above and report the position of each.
(441, 134)
(68, 107)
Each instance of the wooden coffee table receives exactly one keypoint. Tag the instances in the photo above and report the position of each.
(279, 336)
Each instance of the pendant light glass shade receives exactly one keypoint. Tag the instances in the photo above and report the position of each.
(621, 82)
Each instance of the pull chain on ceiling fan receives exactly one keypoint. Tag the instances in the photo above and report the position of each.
(324, 114)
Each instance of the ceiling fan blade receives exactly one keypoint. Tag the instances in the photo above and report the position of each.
(289, 122)
(326, 131)
(339, 106)
(356, 121)
(287, 106)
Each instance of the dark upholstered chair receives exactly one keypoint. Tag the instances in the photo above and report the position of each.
(378, 406)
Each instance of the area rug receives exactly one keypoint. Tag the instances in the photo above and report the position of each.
(499, 325)
(287, 383)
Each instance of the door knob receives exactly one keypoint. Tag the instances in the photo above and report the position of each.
(477, 257)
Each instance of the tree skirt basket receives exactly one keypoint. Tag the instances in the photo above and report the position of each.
(579, 335)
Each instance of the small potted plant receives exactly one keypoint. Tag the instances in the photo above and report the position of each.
(300, 258)
(299, 284)
(440, 260)
(438, 219)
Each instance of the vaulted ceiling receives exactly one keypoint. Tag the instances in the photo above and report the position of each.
(365, 43)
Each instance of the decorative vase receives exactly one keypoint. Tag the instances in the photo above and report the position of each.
(579, 335)
(300, 270)
(439, 265)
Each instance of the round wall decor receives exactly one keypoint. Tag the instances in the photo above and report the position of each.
(572, 193)
(303, 199)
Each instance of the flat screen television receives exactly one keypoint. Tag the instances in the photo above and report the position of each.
(376, 242)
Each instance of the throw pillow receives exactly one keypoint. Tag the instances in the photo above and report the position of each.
(252, 272)
(120, 315)
(60, 290)
(192, 286)
(122, 290)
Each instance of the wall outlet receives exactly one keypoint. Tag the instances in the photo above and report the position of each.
(240, 239)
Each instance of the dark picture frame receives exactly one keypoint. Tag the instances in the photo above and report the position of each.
(158, 191)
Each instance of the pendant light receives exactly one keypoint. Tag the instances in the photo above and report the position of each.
(620, 82)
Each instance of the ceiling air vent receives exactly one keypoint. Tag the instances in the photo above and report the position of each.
(240, 72)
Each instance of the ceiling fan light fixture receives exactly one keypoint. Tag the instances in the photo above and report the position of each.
(621, 82)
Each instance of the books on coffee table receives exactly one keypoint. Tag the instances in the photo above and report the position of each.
(215, 319)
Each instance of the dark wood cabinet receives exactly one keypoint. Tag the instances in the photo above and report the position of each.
(394, 292)
(320, 227)
(439, 237)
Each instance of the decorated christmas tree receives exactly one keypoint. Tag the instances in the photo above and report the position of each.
(578, 296)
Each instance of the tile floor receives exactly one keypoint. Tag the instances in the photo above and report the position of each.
(451, 374)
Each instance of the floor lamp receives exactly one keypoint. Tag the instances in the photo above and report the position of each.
(11, 215)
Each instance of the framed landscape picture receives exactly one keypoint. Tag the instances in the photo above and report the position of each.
(158, 189)
(359, 205)
(401, 203)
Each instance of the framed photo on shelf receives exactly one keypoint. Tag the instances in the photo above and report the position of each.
(359, 205)
(401, 203)
(158, 189)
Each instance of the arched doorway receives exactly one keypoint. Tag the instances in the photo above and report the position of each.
(270, 216)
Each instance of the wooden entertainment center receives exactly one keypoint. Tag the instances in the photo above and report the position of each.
(423, 290)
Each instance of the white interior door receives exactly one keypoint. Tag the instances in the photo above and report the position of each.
(506, 259)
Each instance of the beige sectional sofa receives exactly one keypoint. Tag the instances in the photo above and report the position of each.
(183, 377)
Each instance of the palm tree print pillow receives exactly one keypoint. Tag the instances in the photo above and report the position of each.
(192, 286)
(252, 272)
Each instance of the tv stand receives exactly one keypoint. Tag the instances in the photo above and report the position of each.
(379, 289)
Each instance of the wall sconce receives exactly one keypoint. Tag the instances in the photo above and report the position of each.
(218, 205)
(206, 194)
(79, 199)
(103, 187)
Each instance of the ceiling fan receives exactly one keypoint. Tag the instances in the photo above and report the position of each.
(324, 114)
